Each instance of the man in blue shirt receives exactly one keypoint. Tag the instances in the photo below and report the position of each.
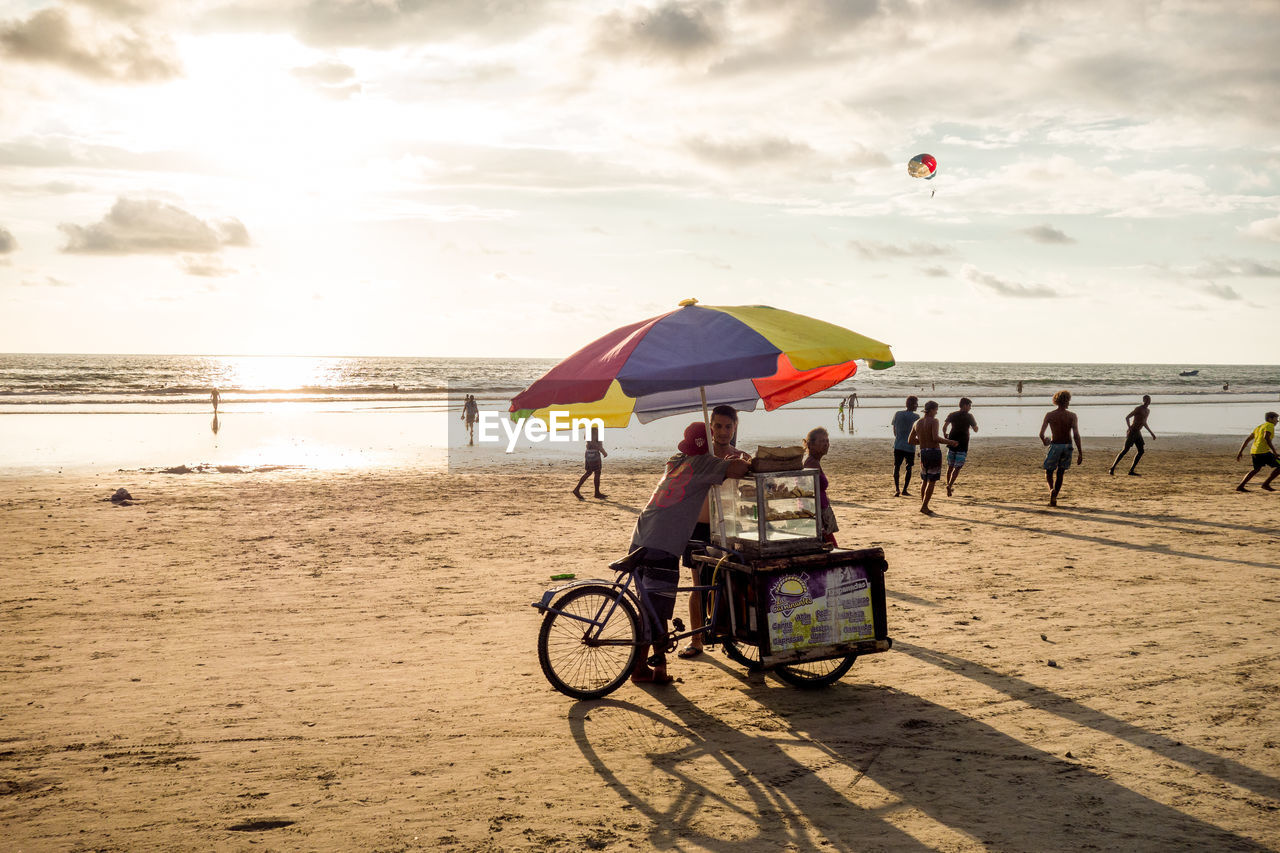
(903, 450)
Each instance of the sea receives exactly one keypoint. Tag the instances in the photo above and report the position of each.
(69, 412)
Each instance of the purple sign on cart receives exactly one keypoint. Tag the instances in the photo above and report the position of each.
(820, 608)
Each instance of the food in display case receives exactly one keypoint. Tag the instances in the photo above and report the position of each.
(771, 513)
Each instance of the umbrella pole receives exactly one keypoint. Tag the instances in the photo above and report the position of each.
(718, 516)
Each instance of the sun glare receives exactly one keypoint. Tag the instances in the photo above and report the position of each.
(277, 373)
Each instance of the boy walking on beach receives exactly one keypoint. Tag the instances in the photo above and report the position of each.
(903, 452)
(594, 463)
(1264, 452)
(924, 432)
(663, 530)
(1063, 427)
(1135, 421)
(957, 426)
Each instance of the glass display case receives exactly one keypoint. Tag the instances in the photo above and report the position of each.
(770, 513)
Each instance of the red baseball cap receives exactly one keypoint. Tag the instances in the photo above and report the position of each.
(695, 439)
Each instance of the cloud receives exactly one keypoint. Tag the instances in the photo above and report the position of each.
(90, 48)
(45, 281)
(935, 272)
(876, 251)
(382, 23)
(675, 31)
(1047, 234)
(749, 152)
(146, 226)
(1264, 229)
(330, 77)
(7, 243)
(1001, 287)
(1222, 291)
(1235, 267)
(205, 266)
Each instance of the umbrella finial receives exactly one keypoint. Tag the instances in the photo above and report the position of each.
(685, 303)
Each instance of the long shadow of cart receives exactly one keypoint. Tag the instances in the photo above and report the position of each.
(865, 767)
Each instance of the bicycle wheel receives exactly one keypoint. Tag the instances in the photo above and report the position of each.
(584, 659)
(818, 673)
(743, 653)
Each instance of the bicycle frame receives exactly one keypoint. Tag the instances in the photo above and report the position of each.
(625, 586)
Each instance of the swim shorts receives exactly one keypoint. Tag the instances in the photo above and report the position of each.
(1059, 457)
(1261, 460)
(930, 463)
(907, 456)
(955, 458)
(1134, 439)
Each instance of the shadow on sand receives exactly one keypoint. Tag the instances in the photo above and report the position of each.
(860, 766)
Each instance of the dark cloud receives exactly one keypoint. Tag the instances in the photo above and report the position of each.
(769, 149)
(119, 8)
(7, 243)
(146, 226)
(1011, 289)
(123, 55)
(1237, 268)
(1222, 291)
(875, 251)
(370, 23)
(674, 31)
(1048, 234)
(205, 266)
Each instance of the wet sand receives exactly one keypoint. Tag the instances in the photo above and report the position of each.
(346, 661)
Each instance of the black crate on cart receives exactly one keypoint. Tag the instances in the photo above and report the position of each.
(805, 607)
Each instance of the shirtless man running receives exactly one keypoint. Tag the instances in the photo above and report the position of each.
(1135, 421)
(1063, 426)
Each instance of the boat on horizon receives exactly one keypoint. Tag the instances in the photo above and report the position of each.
(1189, 373)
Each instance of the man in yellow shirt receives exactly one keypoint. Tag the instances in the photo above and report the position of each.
(1264, 452)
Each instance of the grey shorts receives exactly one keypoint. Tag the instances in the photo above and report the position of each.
(1059, 457)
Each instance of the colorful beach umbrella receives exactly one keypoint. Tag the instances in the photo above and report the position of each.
(741, 355)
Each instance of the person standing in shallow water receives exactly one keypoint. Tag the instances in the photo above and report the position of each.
(1063, 427)
(1134, 422)
(214, 397)
(470, 414)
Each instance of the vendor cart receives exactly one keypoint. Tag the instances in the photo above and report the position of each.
(775, 596)
(789, 602)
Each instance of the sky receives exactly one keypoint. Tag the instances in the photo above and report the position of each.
(516, 178)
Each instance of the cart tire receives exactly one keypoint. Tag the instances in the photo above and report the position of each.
(575, 668)
(814, 674)
(743, 653)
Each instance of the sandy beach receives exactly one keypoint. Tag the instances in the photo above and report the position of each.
(297, 660)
